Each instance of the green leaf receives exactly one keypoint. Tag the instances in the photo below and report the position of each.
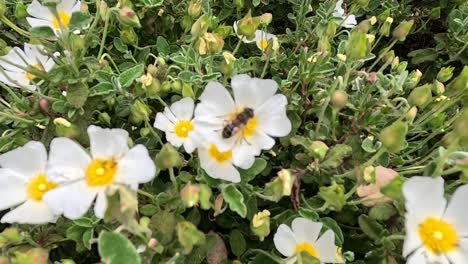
(42, 32)
(423, 55)
(162, 45)
(114, 248)
(186, 76)
(84, 222)
(120, 45)
(370, 227)
(393, 188)
(77, 94)
(79, 20)
(382, 212)
(249, 174)
(127, 77)
(333, 225)
(235, 199)
(152, 3)
(101, 89)
(336, 155)
(309, 214)
(237, 242)
(87, 236)
(292, 72)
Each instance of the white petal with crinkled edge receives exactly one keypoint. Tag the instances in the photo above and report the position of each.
(67, 6)
(412, 239)
(28, 160)
(421, 256)
(271, 116)
(106, 142)
(135, 167)
(259, 140)
(15, 57)
(31, 212)
(183, 109)
(325, 247)
(216, 101)
(418, 203)
(456, 213)
(243, 156)
(67, 160)
(224, 171)
(459, 256)
(101, 204)
(12, 188)
(252, 92)
(305, 230)
(35, 9)
(72, 199)
(284, 240)
(174, 139)
(163, 123)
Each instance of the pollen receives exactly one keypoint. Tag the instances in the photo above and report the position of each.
(101, 172)
(29, 75)
(182, 128)
(438, 236)
(306, 247)
(263, 44)
(250, 127)
(39, 185)
(64, 20)
(217, 155)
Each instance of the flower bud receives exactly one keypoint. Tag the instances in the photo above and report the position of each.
(411, 114)
(205, 196)
(189, 236)
(318, 149)
(104, 118)
(239, 3)
(168, 157)
(287, 180)
(356, 47)
(128, 35)
(438, 87)
(341, 57)
(435, 13)
(223, 31)
(218, 205)
(370, 38)
(176, 86)
(363, 26)
(260, 224)
(63, 128)
(139, 112)
(20, 10)
(194, 8)
(166, 86)
(280, 186)
(246, 26)
(76, 42)
(226, 69)
(460, 83)
(372, 77)
(228, 57)
(145, 221)
(38, 256)
(190, 195)
(393, 137)
(11, 235)
(128, 17)
(339, 99)
(265, 19)
(334, 195)
(152, 242)
(43, 104)
(413, 79)
(373, 20)
(369, 174)
(389, 56)
(420, 96)
(395, 62)
(445, 74)
(385, 29)
(323, 45)
(402, 30)
(331, 29)
(103, 9)
(4, 260)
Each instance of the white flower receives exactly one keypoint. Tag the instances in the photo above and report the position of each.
(83, 177)
(43, 17)
(23, 184)
(261, 38)
(304, 237)
(217, 110)
(176, 122)
(14, 64)
(349, 20)
(435, 232)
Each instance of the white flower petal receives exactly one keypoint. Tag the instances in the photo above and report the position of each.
(419, 203)
(106, 143)
(67, 160)
(284, 240)
(183, 109)
(162, 123)
(306, 230)
(12, 189)
(189, 145)
(459, 256)
(30, 212)
(101, 204)
(412, 239)
(136, 167)
(36, 22)
(271, 116)
(252, 92)
(14, 57)
(456, 212)
(48, 65)
(17, 79)
(28, 160)
(35, 9)
(66, 6)
(350, 21)
(225, 170)
(73, 199)
(259, 140)
(215, 101)
(339, 11)
(325, 247)
(243, 156)
(174, 139)
(417, 258)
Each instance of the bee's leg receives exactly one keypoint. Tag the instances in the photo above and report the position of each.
(248, 143)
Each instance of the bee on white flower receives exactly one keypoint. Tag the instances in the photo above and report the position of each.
(349, 21)
(303, 236)
(84, 177)
(245, 125)
(436, 232)
(14, 66)
(43, 17)
(23, 184)
(176, 122)
(261, 38)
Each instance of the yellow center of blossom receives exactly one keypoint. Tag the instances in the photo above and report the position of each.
(263, 44)
(64, 20)
(250, 127)
(307, 248)
(182, 128)
(438, 236)
(101, 172)
(29, 75)
(219, 156)
(39, 185)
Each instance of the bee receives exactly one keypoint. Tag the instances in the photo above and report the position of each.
(233, 126)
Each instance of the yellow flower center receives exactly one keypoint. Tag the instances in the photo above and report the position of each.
(29, 75)
(64, 20)
(263, 44)
(250, 127)
(39, 185)
(101, 172)
(219, 156)
(182, 128)
(307, 248)
(438, 236)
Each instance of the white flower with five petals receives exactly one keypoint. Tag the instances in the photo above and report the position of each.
(43, 17)
(303, 236)
(435, 232)
(84, 178)
(261, 38)
(257, 96)
(23, 184)
(176, 122)
(349, 21)
(15, 65)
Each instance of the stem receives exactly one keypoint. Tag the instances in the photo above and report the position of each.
(237, 47)
(173, 178)
(148, 125)
(441, 162)
(265, 67)
(147, 194)
(104, 35)
(377, 155)
(382, 55)
(20, 31)
(16, 118)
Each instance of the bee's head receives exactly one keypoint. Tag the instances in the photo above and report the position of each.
(249, 111)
